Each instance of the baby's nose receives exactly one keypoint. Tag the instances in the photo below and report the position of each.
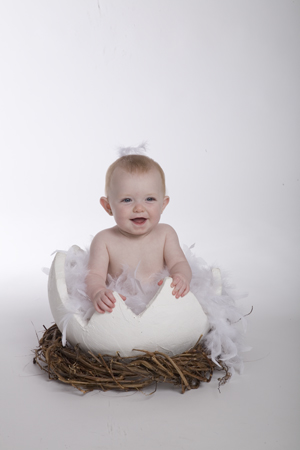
(138, 207)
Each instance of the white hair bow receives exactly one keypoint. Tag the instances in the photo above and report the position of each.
(140, 150)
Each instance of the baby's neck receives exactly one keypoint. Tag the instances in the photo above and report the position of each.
(131, 236)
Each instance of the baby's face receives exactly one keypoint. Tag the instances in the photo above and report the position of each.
(136, 200)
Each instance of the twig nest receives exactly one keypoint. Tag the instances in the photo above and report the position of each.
(168, 324)
(87, 372)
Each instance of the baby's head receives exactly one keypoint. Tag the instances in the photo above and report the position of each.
(139, 164)
(135, 193)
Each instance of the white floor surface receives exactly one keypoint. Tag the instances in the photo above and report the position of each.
(257, 410)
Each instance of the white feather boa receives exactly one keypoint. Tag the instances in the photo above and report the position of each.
(225, 339)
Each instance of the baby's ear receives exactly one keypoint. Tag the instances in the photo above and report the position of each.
(166, 201)
(105, 203)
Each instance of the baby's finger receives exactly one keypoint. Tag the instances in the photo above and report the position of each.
(107, 307)
(108, 299)
(105, 304)
(160, 282)
(122, 297)
(178, 293)
(181, 291)
(99, 306)
(187, 289)
(98, 309)
(110, 296)
(176, 280)
(178, 287)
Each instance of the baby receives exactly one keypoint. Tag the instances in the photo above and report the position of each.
(136, 197)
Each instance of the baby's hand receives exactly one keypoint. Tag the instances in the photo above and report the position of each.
(105, 301)
(180, 285)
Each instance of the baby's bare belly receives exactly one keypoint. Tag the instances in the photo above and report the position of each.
(144, 273)
(143, 257)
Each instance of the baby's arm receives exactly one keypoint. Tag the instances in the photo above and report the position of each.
(177, 264)
(102, 298)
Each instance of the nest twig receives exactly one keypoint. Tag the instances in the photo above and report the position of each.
(87, 371)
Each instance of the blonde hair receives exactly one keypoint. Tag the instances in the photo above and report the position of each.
(134, 164)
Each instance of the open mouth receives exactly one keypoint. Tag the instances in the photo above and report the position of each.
(139, 220)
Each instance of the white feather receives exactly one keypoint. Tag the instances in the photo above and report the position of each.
(140, 150)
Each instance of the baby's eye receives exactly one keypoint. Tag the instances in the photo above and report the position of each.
(126, 200)
(150, 199)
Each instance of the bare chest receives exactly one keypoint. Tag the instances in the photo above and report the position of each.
(147, 253)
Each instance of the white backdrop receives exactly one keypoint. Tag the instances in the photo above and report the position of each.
(212, 86)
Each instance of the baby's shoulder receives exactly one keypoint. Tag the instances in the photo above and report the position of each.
(166, 229)
(103, 237)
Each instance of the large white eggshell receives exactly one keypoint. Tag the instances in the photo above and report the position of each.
(168, 324)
